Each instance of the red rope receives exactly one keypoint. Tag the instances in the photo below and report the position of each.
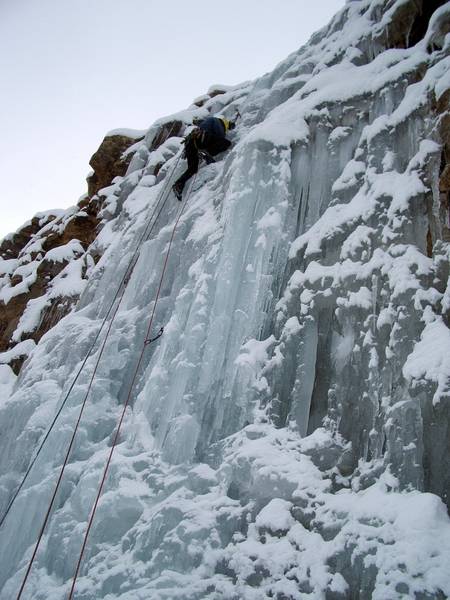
(116, 436)
(124, 280)
(72, 439)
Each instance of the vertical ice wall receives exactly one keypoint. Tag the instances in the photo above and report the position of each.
(300, 385)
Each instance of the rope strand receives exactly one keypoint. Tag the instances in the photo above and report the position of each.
(147, 232)
(123, 282)
(116, 436)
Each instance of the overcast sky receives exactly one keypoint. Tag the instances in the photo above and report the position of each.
(70, 70)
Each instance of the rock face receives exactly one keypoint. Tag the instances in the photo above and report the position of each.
(111, 159)
(443, 108)
(287, 436)
(43, 271)
(46, 263)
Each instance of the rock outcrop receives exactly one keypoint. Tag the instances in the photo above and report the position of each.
(44, 268)
(111, 159)
(44, 265)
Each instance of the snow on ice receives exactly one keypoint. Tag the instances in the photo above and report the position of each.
(287, 434)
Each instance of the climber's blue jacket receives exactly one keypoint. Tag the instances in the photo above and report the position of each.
(214, 126)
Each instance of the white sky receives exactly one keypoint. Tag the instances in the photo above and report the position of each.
(70, 70)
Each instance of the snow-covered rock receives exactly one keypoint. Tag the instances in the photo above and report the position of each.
(288, 434)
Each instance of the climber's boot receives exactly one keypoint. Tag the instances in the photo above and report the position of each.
(178, 191)
(206, 156)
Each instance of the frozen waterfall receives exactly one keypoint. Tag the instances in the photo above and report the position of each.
(287, 435)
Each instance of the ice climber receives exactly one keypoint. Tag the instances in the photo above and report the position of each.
(205, 141)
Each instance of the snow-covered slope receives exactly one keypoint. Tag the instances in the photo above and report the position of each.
(288, 435)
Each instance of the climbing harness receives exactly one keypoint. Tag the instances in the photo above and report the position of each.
(147, 341)
(195, 137)
(165, 193)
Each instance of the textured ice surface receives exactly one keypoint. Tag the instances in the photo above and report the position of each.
(288, 434)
